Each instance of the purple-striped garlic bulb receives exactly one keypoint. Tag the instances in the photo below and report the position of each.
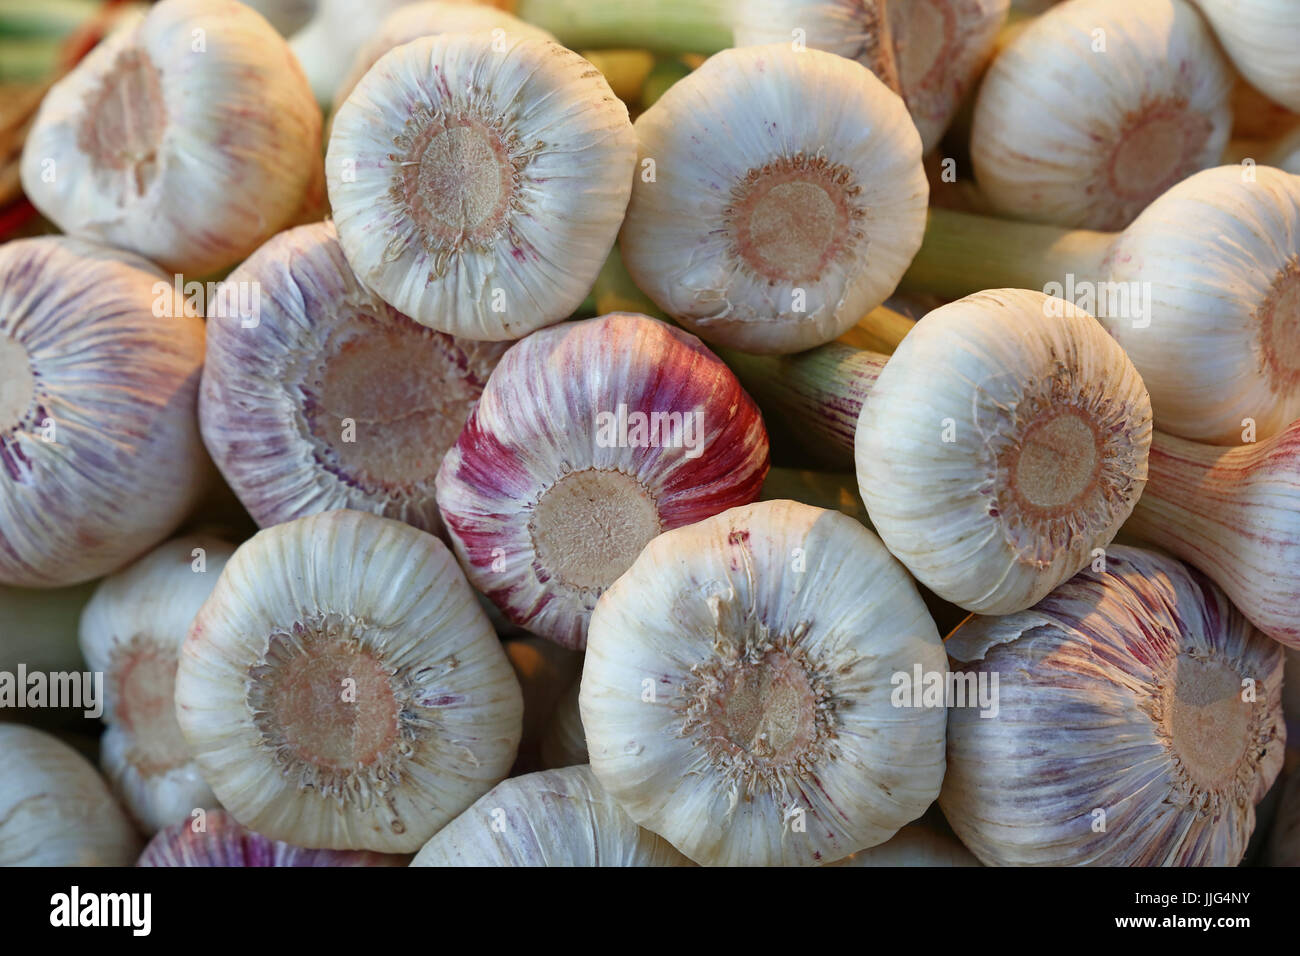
(1138, 723)
(188, 136)
(589, 440)
(131, 632)
(215, 838)
(317, 394)
(342, 688)
(100, 457)
(479, 181)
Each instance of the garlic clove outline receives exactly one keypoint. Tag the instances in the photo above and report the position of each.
(1261, 37)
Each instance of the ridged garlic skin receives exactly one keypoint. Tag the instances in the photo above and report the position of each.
(189, 139)
(131, 632)
(1139, 723)
(769, 226)
(342, 689)
(100, 457)
(546, 500)
(1220, 253)
(1261, 37)
(738, 689)
(478, 183)
(223, 842)
(54, 808)
(1001, 444)
(332, 399)
(914, 845)
(553, 818)
(1067, 133)
(430, 18)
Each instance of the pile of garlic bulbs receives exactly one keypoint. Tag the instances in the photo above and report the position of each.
(657, 433)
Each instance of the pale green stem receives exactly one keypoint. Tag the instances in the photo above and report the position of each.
(664, 26)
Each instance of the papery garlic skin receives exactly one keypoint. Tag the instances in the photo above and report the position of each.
(915, 845)
(478, 183)
(553, 818)
(54, 808)
(1139, 723)
(590, 439)
(1004, 441)
(131, 632)
(738, 692)
(1220, 254)
(100, 457)
(765, 225)
(342, 689)
(1261, 37)
(223, 842)
(430, 18)
(1069, 134)
(332, 398)
(188, 139)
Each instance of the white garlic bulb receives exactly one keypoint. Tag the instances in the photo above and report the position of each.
(1096, 108)
(553, 818)
(915, 845)
(188, 137)
(779, 198)
(1261, 37)
(739, 690)
(54, 808)
(131, 632)
(1139, 722)
(478, 181)
(1004, 441)
(430, 18)
(100, 457)
(341, 688)
(332, 398)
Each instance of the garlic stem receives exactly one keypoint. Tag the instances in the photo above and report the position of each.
(663, 26)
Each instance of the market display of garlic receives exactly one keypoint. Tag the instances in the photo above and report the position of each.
(740, 691)
(589, 440)
(1002, 443)
(100, 457)
(765, 226)
(1261, 37)
(1202, 291)
(188, 137)
(914, 845)
(215, 838)
(479, 181)
(1096, 108)
(131, 632)
(54, 808)
(329, 397)
(552, 818)
(1139, 723)
(342, 689)
(430, 18)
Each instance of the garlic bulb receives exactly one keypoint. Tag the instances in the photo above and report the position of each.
(430, 18)
(342, 689)
(1096, 108)
(1139, 723)
(564, 742)
(332, 398)
(189, 138)
(544, 670)
(220, 840)
(1261, 37)
(1202, 291)
(1234, 513)
(100, 457)
(740, 690)
(478, 181)
(1003, 442)
(131, 632)
(553, 818)
(766, 225)
(54, 808)
(914, 845)
(590, 439)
